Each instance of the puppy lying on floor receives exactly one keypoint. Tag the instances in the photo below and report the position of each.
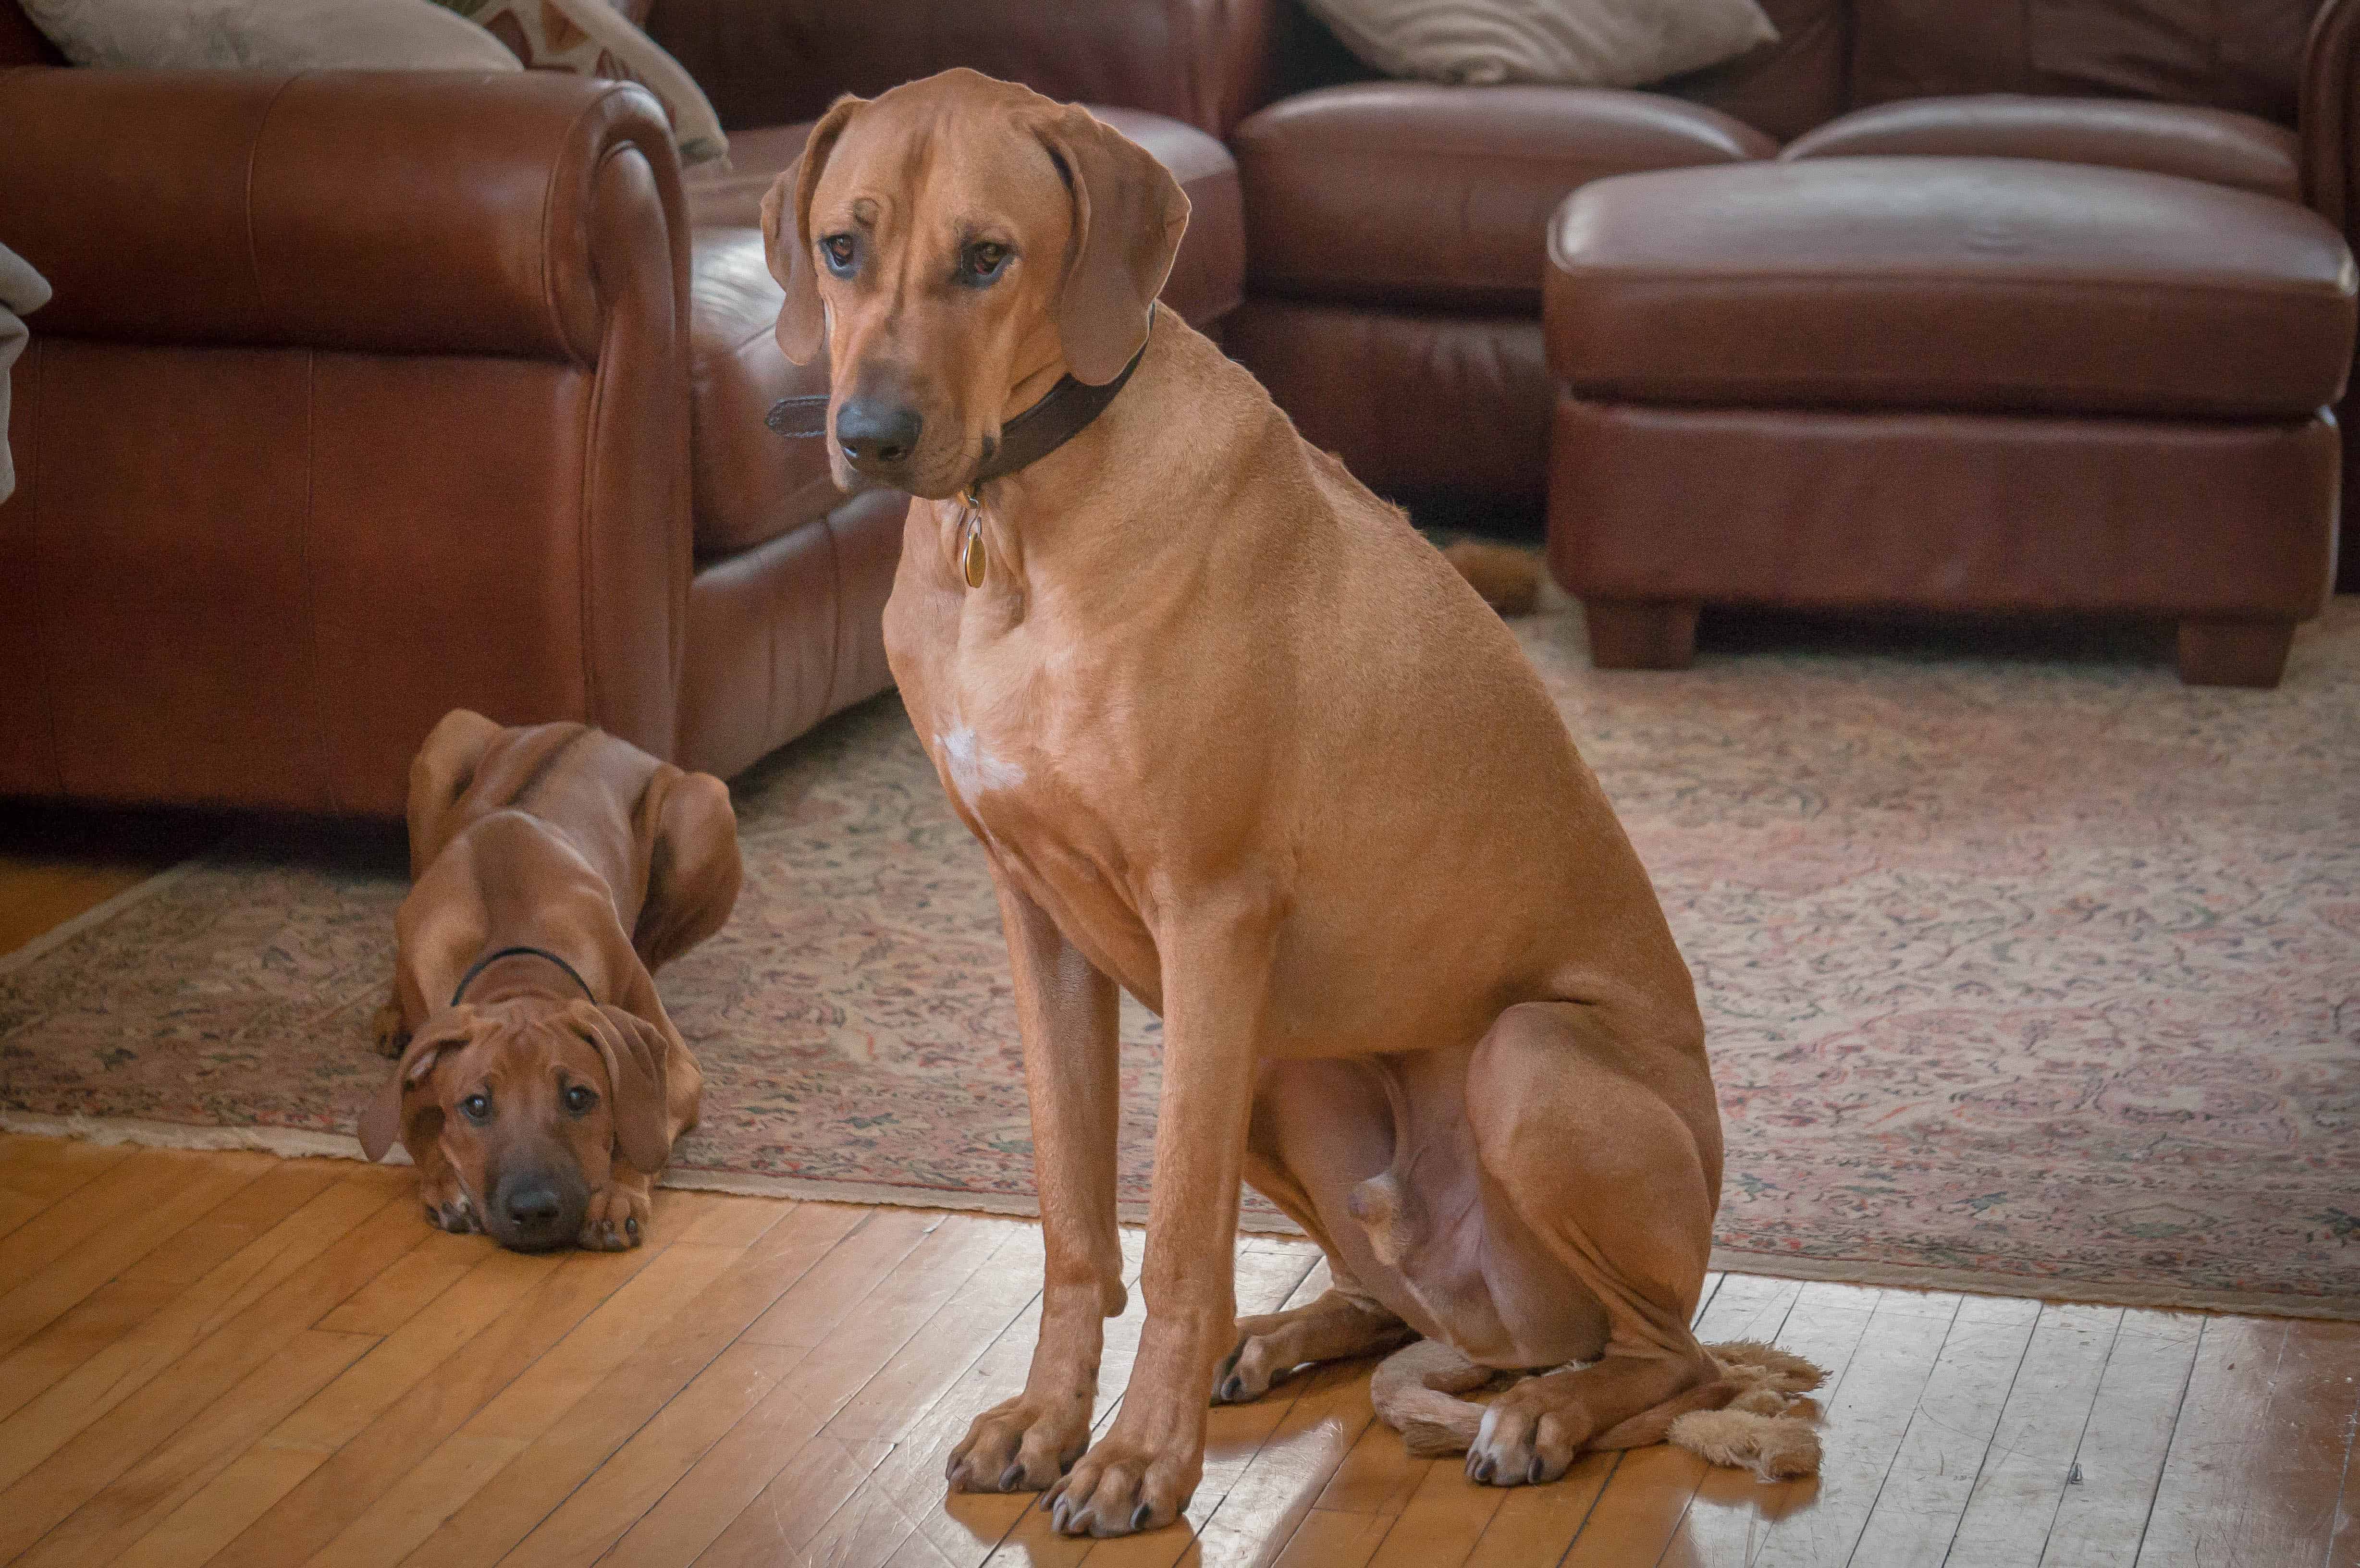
(554, 869)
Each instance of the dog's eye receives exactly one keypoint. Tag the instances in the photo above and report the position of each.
(839, 250)
(578, 1100)
(477, 1108)
(981, 262)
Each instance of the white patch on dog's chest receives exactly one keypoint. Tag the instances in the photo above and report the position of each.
(974, 771)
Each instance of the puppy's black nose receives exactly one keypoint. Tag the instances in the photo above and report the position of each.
(533, 1207)
(871, 432)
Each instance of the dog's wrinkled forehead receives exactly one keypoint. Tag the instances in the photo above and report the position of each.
(960, 146)
(522, 1041)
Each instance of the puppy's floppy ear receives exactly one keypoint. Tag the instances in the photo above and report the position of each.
(787, 237)
(635, 1052)
(405, 1098)
(1128, 216)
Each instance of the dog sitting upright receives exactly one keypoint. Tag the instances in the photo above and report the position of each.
(554, 869)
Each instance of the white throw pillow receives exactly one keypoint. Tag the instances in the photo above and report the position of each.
(596, 38)
(268, 35)
(1576, 43)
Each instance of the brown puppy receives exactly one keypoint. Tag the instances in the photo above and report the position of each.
(1237, 739)
(554, 869)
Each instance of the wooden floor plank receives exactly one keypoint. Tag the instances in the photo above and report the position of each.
(907, 1492)
(117, 1198)
(733, 1472)
(415, 1280)
(158, 1281)
(1331, 1540)
(105, 1527)
(2250, 1481)
(39, 1300)
(36, 1172)
(79, 1469)
(2120, 1457)
(2029, 1460)
(811, 1482)
(415, 1351)
(554, 1475)
(376, 1459)
(513, 1419)
(1324, 1412)
(287, 1374)
(1917, 1509)
(98, 1386)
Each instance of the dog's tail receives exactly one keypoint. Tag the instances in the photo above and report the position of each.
(1750, 1417)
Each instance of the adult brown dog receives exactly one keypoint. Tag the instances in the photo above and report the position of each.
(1237, 739)
(554, 870)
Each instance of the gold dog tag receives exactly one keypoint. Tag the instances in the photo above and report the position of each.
(971, 548)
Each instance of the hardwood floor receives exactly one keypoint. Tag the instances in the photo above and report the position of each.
(234, 1359)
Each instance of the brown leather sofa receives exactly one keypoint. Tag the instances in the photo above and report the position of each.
(366, 395)
(1397, 231)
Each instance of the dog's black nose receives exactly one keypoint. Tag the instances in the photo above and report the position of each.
(533, 1207)
(876, 432)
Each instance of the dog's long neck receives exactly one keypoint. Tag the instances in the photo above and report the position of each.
(1143, 488)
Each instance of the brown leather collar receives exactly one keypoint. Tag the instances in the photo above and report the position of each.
(1064, 412)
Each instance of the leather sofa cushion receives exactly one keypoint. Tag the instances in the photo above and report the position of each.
(1415, 193)
(1788, 87)
(1949, 284)
(753, 486)
(2244, 54)
(2217, 145)
(1207, 277)
(750, 484)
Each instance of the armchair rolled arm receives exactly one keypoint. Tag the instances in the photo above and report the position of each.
(389, 212)
(2327, 119)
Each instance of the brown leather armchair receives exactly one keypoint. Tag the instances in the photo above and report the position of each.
(362, 395)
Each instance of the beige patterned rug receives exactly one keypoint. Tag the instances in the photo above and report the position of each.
(2026, 969)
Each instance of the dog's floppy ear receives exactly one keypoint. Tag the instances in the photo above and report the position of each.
(787, 240)
(404, 1098)
(1128, 216)
(635, 1052)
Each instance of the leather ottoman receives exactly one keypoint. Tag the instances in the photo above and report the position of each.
(1953, 384)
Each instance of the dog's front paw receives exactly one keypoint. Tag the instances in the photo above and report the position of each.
(1122, 1487)
(1020, 1445)
(616, 1220)
(454, 1213)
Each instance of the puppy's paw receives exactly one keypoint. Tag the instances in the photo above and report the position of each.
(454, 1213)
(616, 1220)
(386, 1031)
(1020, 1445)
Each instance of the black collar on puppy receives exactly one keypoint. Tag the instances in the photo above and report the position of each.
(1063, 413)
(491, 958)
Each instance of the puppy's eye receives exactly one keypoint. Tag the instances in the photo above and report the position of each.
(981, 261)
(477, 1108)
(840, 250)
(578, 1100)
